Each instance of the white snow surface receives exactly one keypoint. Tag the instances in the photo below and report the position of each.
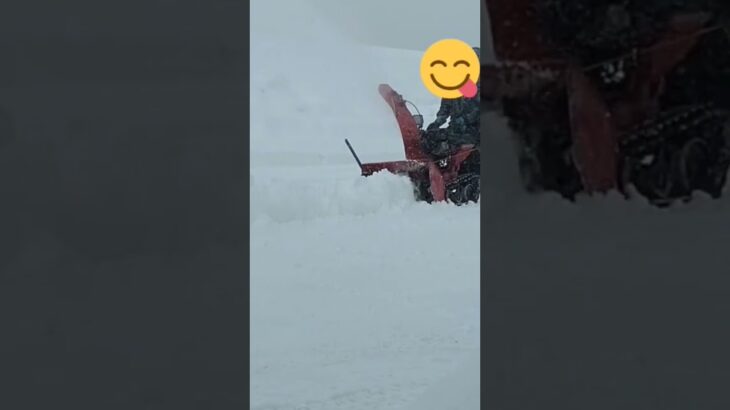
(575, 293)
(361, 298)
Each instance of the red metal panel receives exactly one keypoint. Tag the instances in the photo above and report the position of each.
(410, 132)
(594, 135)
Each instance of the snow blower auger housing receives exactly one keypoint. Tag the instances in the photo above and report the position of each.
(452, 178)
(605, 95)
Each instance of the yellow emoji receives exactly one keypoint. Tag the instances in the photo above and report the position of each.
(450, 69)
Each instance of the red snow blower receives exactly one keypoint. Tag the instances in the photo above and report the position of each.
(453, 178)
(601, 96)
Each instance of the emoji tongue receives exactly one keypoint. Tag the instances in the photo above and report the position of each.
(469, 90)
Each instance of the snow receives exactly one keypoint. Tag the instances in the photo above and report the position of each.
(459, 390)
(605, 303)
(403, 24)
(361, 298)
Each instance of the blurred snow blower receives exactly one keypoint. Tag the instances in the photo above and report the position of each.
(452, 178)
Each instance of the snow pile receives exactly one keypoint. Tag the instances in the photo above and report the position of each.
(312, 89)
(285, 199)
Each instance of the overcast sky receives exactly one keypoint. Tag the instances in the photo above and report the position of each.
(412, 24)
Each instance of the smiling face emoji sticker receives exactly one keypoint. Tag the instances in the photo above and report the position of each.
(450, 69)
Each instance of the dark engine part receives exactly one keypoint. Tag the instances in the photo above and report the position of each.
(683, 144)
(684, 148)
(466, 186)
(678, 152)
(540, 123)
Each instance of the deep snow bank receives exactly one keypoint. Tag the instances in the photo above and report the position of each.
(307, 197)
(312, 87)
